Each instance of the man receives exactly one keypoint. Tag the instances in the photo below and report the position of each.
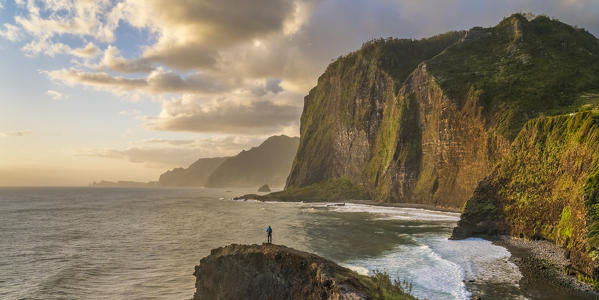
(269, 235)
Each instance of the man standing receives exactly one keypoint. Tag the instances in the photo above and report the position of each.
(269, 235)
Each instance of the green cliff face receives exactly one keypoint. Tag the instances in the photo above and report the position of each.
(546, 188)
(424, 121)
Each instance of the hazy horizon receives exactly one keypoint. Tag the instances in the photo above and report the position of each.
(124, 90)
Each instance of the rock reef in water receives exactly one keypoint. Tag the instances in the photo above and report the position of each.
(271, 271)
(264, 189)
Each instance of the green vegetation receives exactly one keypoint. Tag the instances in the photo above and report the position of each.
(342, 101)
(522, 68)
(382, 288)
(589, 280)
(546, 188)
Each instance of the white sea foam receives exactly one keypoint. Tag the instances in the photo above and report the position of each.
(357, 269)
(431, 276)
(481, 260)
(398, 213)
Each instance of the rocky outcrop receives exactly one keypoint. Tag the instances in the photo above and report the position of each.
(276, 272)
(546, 188)
(423, 121)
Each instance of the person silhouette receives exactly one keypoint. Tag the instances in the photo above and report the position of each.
(269, 235)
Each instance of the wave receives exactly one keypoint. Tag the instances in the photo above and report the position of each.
(397, 213)
(431, 276)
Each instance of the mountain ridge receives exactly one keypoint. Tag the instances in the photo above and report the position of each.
(431, 133)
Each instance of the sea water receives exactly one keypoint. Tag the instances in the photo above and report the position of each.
(143, 243)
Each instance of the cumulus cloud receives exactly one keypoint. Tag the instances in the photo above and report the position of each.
(164, 153)
(113, 61)
(157, 81)
(88, 51)
(229, 116)
(10, 32)
(239, 56)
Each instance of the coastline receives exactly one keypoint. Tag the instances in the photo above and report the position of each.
(403, 205)
(545, 270)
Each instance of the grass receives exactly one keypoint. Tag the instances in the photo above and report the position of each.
(522, 68)
(381, 287)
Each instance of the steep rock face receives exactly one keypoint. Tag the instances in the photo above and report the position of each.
(195, 175)
(440, 150)
(424, 121)
(268, 163)
(547, 187)
(276, 272)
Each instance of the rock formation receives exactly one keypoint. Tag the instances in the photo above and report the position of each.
(424, 121)
(546, 188)
(264, 189)
(270, 271)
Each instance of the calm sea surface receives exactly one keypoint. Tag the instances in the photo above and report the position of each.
(104, 243)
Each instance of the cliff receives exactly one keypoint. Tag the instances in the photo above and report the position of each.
(269, 163)
(195, 175)
(546, 188)
(276, 272)
(424, 121)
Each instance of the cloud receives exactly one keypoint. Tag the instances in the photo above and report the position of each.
(90, 50)
(10, 32)
(19, 133)
(56, 95)
(164, 153)
(158, 81)
(225, 116)
(113, 61)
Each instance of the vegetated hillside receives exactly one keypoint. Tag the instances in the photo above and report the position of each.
(423, 121)
(546, 188)
(195, 175)
(268, 163)
(271, 271)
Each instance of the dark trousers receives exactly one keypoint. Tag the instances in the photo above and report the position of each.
(269, 238)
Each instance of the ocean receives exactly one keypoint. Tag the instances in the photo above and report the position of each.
(143, 243)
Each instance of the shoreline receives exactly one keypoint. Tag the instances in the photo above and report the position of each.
(545, 270)
(403, 205)
(364, 202)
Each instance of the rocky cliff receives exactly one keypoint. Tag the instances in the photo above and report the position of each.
(276, 272)
(269, 163)
(423, 121)
(546, 188)
(195, 175)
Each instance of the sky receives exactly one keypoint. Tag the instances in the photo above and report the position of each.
(124, 90)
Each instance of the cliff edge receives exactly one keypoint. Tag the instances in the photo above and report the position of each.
(270, 271)
(546, 188)
(424, 121)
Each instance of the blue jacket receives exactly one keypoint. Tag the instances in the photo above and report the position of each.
(269, 230)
